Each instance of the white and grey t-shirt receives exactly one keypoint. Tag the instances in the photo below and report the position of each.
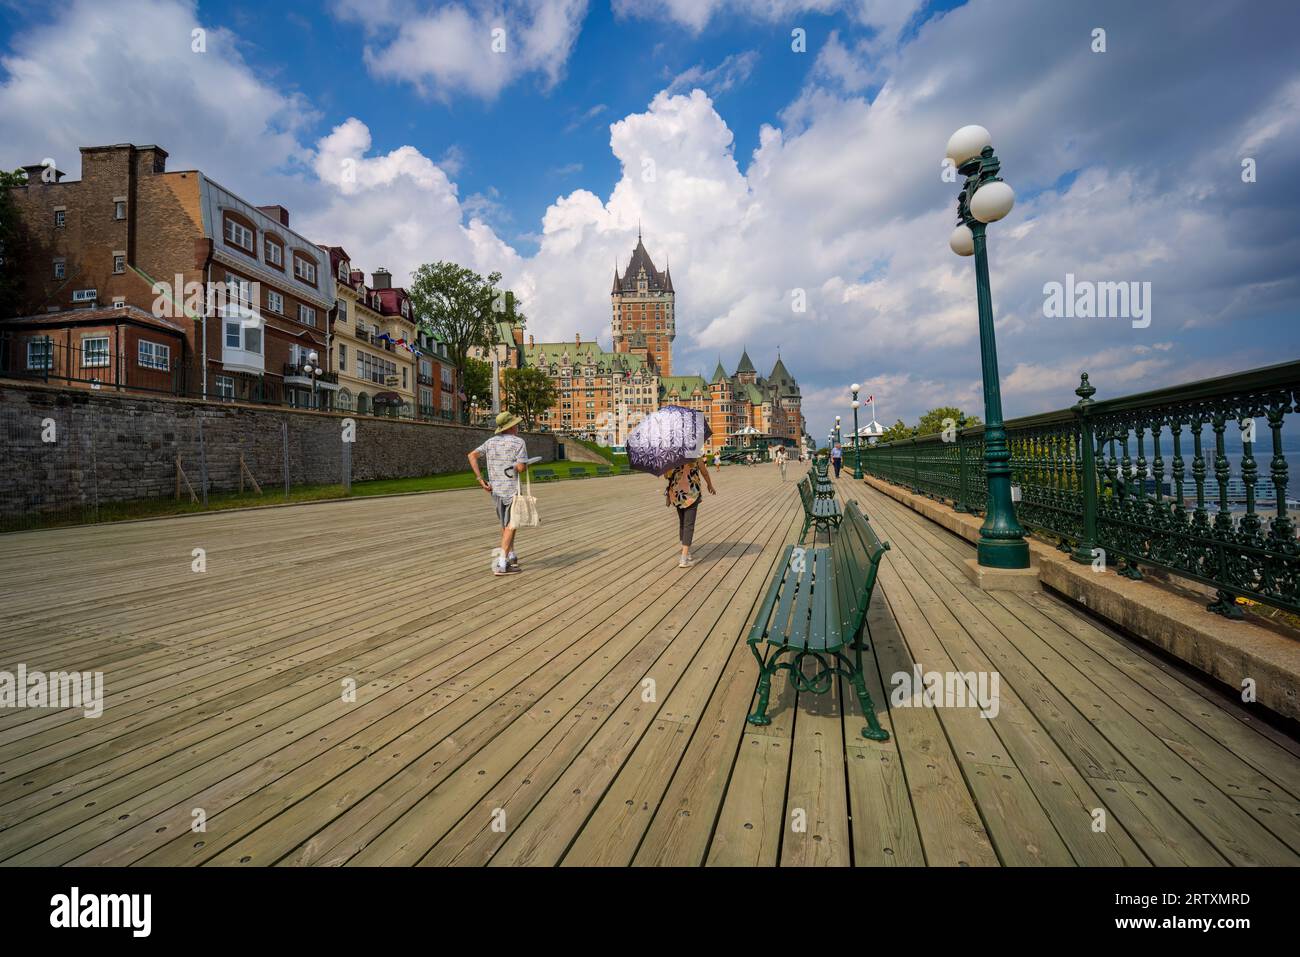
(503, 452)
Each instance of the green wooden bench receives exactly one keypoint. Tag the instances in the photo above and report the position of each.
(819, 511)
(578, 471)
(606, 470)
(816, 608)
(820, 483)
(543, 475)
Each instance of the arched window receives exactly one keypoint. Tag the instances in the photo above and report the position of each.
(345, 399)
(363, 403)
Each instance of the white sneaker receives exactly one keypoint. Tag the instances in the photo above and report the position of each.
(685, 561)
(499, 567)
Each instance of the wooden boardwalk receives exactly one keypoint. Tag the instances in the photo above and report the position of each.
(589, 710)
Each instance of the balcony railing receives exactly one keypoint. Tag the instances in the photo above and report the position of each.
(298, 370)
(1167, 479)
(424, 379)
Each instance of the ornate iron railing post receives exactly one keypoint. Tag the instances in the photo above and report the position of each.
(1083, 552)
(963, 488)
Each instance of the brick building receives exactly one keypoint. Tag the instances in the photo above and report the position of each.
(604, 394)
(105, 347)
(252, 296)
(642, 302)
(385, 363)
(596, 389)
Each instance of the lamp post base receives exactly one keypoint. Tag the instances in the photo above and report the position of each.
(1002, 553)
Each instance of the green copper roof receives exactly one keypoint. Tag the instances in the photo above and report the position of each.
(720, 373)
(586, 353)
(745, 364)
(684, 384)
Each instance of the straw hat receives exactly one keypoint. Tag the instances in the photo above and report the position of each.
(506, 420)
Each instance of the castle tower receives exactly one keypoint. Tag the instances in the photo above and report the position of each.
(721, 396)
(642, 302)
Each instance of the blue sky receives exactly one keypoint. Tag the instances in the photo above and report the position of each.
(617, 65)
(389, 126)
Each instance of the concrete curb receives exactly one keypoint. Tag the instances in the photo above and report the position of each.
(1228, 651)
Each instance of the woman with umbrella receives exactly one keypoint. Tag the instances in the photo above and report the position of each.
(684, 492)
(670, 443)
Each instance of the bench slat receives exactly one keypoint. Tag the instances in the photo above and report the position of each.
(781, 623)
(760, 629)
(798, 636)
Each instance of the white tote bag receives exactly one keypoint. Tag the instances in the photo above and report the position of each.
(523, 510)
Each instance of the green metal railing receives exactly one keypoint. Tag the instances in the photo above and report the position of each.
(1171, 479)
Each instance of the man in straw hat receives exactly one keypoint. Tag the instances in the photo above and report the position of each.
(506, 461)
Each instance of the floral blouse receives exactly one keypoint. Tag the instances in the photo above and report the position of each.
(684, 486)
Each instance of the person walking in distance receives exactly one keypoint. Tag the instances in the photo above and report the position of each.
(837, 459)
(684, 492)
(506, 458)
(780, 460)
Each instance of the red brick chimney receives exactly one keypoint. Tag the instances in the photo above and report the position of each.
(278, 213)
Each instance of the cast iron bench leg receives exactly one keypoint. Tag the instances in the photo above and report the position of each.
(765, 673)
(873, 730)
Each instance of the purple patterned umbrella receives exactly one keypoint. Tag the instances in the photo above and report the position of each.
(667, 439)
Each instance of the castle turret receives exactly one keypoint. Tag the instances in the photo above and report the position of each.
(643, 317)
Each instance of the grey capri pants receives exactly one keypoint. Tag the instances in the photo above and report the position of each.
(686, 523)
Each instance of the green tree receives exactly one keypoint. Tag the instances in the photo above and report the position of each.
(945, 416)
(478, 378)
(895, 432)
(455, 303)
(505, 308)
(12, 242)
(529, 393)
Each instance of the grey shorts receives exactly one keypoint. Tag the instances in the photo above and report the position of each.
(503, 508)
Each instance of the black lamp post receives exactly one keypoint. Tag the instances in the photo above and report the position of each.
(986, 199)
(857, 451)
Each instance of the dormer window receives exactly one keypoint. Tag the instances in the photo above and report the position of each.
(406, 309)
(377, 301)
(274, 252)
(345, 270)
(304, 269)
(237, 234)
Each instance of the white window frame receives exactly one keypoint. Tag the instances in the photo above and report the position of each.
(242, 335)
(60, 269)
(158, 355)
(98, 358)
(306, 315)
(119, 208)
(119, 264)
(60, 218)
(275, 302)
(239, 292)
(304, 269)
(44, 357)
(274, 252)
(234, 233)
(226, 387)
